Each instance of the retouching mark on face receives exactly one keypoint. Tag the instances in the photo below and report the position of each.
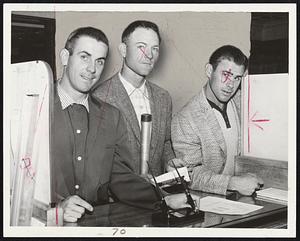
(142, 49)
(226, 76)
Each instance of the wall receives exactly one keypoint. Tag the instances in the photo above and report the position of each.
(188, 39)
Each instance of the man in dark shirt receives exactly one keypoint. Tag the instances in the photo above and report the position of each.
(90, 153)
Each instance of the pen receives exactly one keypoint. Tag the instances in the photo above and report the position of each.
(164, 204)
(186, 190)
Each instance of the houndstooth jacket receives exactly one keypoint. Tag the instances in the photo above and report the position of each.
(199, 142)
(113, 92)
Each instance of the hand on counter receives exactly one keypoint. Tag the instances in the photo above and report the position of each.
(74, 207)
(245, 184)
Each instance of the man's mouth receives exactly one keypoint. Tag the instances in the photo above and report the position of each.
(226, 92)
(88, 78)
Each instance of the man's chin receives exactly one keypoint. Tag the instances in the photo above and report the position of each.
(142, 74)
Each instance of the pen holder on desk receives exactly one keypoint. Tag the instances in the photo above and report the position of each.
(168, 217)
(146, 124)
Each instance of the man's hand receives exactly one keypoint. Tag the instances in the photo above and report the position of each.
(147, 177)
(245, 184)
(177, 201)
(178, 163)
(74, 207)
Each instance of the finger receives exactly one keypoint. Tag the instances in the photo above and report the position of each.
(185, 205)
(79, 201)
(71, 213)
(76, 208)
(69, 219)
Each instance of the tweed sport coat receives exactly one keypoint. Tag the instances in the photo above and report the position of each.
(199, 142)
(105, 168)
(113, 92)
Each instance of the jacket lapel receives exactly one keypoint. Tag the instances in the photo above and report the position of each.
(123, 102)
(212, 122)
(237, 109)
(96, 116)
(155, 103)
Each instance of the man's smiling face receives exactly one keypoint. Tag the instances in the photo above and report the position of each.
(85, 65)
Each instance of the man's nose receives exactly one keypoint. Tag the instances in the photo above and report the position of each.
(148, 53)
(230, 82)
(91, 67)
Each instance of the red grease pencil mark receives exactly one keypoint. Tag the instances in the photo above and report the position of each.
(42, 100)
(56, 216)
(144, 53)
(26, 161)
(26, 164)
(227, 76)
(262, 120)
(259, 127)
(248, 113)
(252, 120)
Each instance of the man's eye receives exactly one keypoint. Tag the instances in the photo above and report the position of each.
(100, 61)
(84, 57)
(156, 49)
(238, 78)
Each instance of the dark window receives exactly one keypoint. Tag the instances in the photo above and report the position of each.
(33, 38)
(269, 43)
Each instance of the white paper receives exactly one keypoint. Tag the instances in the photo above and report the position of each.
(273, 193)
(225, 206)
(173, 175)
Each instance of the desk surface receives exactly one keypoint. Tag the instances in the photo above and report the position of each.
(120, 215)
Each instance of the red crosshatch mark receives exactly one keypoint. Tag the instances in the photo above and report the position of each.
(26, 164)
(143, 53)
(252, 121)
(56, 216)
(226, 76)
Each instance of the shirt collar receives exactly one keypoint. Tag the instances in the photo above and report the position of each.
(66, 100)
(223, 112)
(213, 105)
(129, 87)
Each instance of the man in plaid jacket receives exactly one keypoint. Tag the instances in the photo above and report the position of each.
(206, 132)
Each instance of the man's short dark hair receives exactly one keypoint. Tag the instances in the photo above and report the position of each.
(94, 33)
(139, 24)
(228, 52)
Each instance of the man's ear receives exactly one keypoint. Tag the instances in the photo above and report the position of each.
(64, 56)
(122, 49)
(208, 70)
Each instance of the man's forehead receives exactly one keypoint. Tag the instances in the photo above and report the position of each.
(90, 45)
(230, 66)
(143, 34)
